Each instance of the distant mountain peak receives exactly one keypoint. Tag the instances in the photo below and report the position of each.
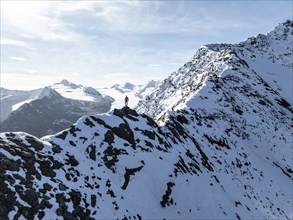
(68, 84)
(91, 91)
(49, 93)
(126, 87)
(65, 82)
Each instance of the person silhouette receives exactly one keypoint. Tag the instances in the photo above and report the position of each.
(126, 101)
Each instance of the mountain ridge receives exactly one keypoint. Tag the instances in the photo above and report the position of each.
(219, 146)
(211, 60)
(49, 112)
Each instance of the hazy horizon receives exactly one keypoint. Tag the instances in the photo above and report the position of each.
(100, 43)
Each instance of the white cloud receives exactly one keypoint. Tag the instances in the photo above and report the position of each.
(119, 75)
(154, 66)
(25, 82)
(4, 41)
(111, 41)
(34, 19)
(18, 58)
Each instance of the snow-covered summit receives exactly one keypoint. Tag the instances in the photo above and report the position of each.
(275, 46)
(77, 92)
(127, 87)
(66, 83)
(91, 91)
(48, 92)
(268, 56)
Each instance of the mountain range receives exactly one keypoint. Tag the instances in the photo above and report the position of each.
(53, 108)
(45, 111)
(212, 141)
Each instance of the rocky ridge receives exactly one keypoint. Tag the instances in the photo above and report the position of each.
(274, 50)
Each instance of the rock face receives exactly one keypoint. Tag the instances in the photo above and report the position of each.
(222, 150)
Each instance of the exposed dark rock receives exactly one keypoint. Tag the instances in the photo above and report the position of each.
(128, 173)
(109, 137)
(92, 152)
(89, 123)
(62, 135)
(166, 199)
(72, 161)
(47, 186)
(111, 157)
(124, 132)
(124, 112)
(73, 130)
(72, 143)
(221, 142)
(34, 143)
(149, 134)
(31, 197)
(56, 149)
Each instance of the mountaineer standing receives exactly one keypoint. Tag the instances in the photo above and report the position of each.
(126, 101)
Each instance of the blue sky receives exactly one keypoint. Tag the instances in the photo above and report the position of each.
(100, 43)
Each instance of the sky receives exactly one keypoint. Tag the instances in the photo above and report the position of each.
(101, 43)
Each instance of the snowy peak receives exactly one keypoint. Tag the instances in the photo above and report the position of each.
(77, 92)
(266, 56)
(66, 83)
(275, 46)
(91, 91)
(47, 111)
(48, 92)
(283, 31)
(127, 87)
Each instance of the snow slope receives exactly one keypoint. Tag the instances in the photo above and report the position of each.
(223, 149)
(123, 165)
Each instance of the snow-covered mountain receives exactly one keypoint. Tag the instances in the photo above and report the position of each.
(82, 99)
(221, 147)
(266, 57)
(127, 87)
(135, 93)
(147, 89)
(78, 92)
(46, 111)
(11, 100)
